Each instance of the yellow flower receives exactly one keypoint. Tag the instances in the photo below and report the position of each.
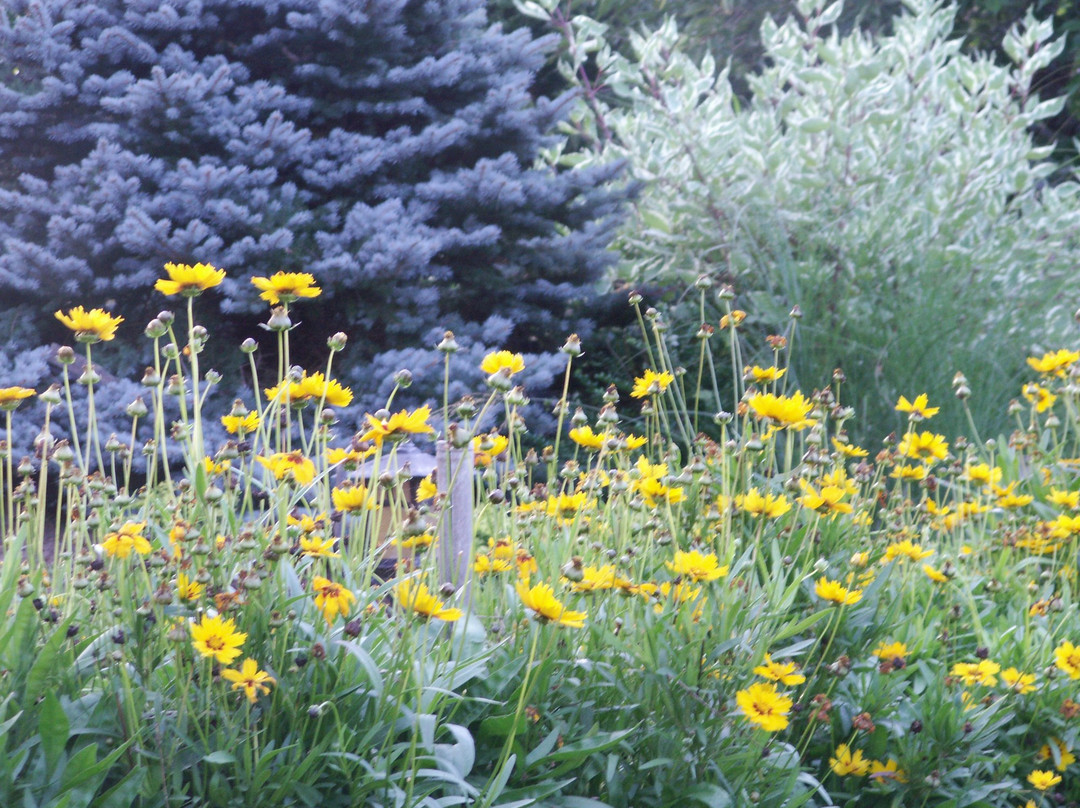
(216, 638)
(783, 672)
(584, 436)
(188, 588)
(249, 679)
(542, 601)
(12, 397)
(90, 326)
(353, 498)
(1064, 499)
(760, 375)
(762, 704)
(350, 457)
(485, 564)
(906, 549)
(240, 424)
(314, 547)
(836, 592)
(847, 449)
(416, 541)
(1067, 658)
(289, 465)
(655, 492)
(213, 468)
(1006, 498)
(565, 507)
(120, 543)
(887, 771)
(889, 651)
(285, 287)
(925, 446)
(1060, 753)
(934, 574)
(733, 320)
(331, 599)
(1054, 363)
(503, 360)
(826, 501)
(311, 388)
(770, 506)
(1022, 683)
(398, 425)
(982, 473)
(1042, 780)
(977, 673)
(788, 412)
(651, 384)
(426, 489)
(1038, 395)
(918, 409)
(845, 763)
(415, 596)
(487, 448)
(697, 566)
(916, 473)
(189, 281)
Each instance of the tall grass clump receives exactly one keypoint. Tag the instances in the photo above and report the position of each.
(652, 609)
(888, 185)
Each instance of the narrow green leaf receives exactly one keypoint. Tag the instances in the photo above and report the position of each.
(53, 727)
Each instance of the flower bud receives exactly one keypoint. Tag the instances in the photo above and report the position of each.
(155, 328)
(65, 355)
(572, 346)
(337, 341)
(448, 345)
(166, 317)
(403, 378)
(249, 346)
(52, 395)
(279, 319)
(137, 408)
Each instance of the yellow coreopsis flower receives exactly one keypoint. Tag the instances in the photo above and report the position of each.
(189, 281)
(188, 588)
(1054, 363)
(914, 473)
(216, 638)
(90, 326)
(826, 501)
(770, 506)
(697, 566)
(845, 763)
(1022, 683)
(1043, 780)
(983, 672)
(314, 547)
(905, 549)
(249, 679)
(1060, 753)
(353, 498)
(240, 424)
(541, 600)
(762, 704)
(918, 409)
(331, 598)
(760, 375)
(982, 473)
(1038, 395)
(1067, 658)
(503, 360)
(285, 287)
(654, 492)
(888, 770)
(934, 574)
(585, 437)
(289, 465)
(415, 596)
(890, 651)
(129, 537)
(925, 446)
(651, 384)
(836, 592)
(12, 397)
(487, 448)
(783, 672)
(426, 489)
(350, 457)
(1064, 499)
(848, 449)
(398, 425)
(787, 412)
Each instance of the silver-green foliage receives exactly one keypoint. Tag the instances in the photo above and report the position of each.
(887, 185)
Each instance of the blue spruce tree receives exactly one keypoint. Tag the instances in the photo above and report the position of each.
(386, 146)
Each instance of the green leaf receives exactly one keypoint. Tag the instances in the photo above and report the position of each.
(709, 794)
(48, 665)
(219, 758)
(53, 727)
(125, 793)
